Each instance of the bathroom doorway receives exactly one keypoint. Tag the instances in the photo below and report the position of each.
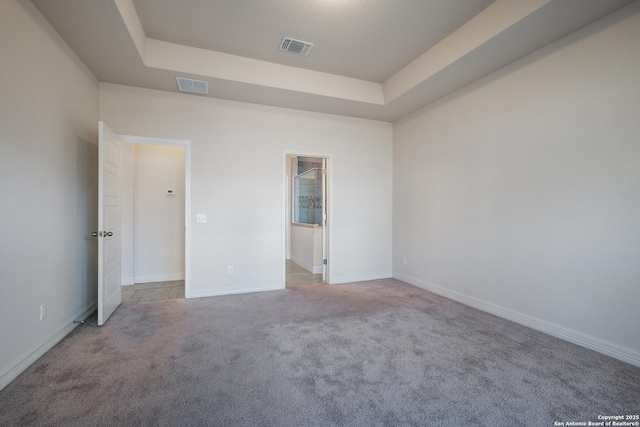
(306, 219)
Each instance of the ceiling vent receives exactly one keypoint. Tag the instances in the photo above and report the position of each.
(193, 86)
(295, 46)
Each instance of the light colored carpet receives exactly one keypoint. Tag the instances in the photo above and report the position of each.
(378, 353)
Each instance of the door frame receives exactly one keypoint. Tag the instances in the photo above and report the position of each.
(187, 195)
(329, 208)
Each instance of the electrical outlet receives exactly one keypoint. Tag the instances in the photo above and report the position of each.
(43, 312)
(230, 269)
(404, 261)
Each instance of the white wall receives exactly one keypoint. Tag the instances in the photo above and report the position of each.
(289, 209)
(152, 221)
(520, 193)
(238, 181)
(158, 218)
(306, 247)
(126, 209)
(48, 182)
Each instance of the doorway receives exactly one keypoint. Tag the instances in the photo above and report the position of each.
(306, 207)
(155, 216)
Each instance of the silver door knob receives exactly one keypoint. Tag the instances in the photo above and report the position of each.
(109, 233)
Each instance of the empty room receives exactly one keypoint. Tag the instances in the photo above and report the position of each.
(379, 213)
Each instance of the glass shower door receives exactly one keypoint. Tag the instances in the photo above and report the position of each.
(308, 197)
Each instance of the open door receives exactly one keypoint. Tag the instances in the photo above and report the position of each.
(108, 234)
(324, 220)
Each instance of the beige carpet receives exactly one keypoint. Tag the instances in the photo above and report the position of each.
(378, 353)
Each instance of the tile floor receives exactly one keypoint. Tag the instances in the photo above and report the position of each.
(155, 291)
(298, 276)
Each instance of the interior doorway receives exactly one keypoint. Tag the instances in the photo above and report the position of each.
(306, 260)
(155, 259)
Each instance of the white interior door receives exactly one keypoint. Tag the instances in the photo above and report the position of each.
(324, 220)
(108, 234)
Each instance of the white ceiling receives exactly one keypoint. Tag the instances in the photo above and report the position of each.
(377, 59)
(365, 39)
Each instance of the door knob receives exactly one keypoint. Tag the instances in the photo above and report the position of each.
(109, 233)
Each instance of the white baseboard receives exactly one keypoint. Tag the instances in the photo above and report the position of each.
(127, 281)
(336, 280)
(12, 371)
(304, 265)
(158, 278)
(217, 293)
(596, 344)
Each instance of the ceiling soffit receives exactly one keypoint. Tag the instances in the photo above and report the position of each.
(366, 40)
(499, 34)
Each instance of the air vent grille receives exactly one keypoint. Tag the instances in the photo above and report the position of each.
(297, 47)
(193, 86)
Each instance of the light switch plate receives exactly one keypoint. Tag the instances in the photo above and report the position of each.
(201, 218)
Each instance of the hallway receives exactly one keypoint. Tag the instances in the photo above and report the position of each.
(154, 291)
(298, 276)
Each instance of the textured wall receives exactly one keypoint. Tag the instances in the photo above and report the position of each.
(238, 180)
(48, 176)
(519, 193)
(158, 218)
